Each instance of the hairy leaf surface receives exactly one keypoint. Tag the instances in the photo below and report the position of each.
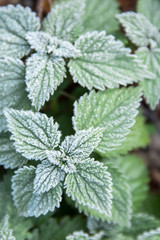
(47, 177)
(112, 110)
(8, 155)
(12, 87)
(33, 133)
(105, 62)
(91, 186)
(29, 203)
(5, 232)
(15, 22)
(82, 144)
(84, 236)
(137, 138)
(151, 235)
(139, 29)
(151, 58)
(44, 74)
(65, 20)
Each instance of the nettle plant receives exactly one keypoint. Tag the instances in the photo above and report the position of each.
(92, 168)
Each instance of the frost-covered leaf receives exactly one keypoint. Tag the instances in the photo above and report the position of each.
(100, 16)
(151, 58)
(105, 62)
(137, 138)
(82, 144)
(12, 87)
(141, 223)
(84, 236)
(91, 186)
(61, 228)
(8, 155)
(151, 235)
(5, 232)
(137, 177)
(44, 74)
(42, 42)
(65, 20)
(114, 110)
(19, 225)
(139, 29)
(29, 203)
(150, 9)
(33, 133)
(47, 176)
(122, 199)
(15, 22)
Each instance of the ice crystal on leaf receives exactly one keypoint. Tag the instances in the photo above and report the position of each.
(105, 62)
(15, 22)
(33, 133)
(153, 234)
(12, 87)
(112, 110)
(64, 20)
(5, 232)
(84, 236)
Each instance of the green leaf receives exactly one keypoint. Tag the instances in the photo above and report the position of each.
(139, 29)
(90, 186)
(33, 133)
(47, 176)
(137, 138)
(100, 16)
(43, 43)
(137, 175)
(29, 203)
(113, 110)
(61, 229)
(151, 58)
(12, 87)
(121, 237)
(19, 225)
(150, 9)
(64, 21)
(5, 232)
(15, 22)
(8, 155)
(44, 74)
(151, 235)
(105, 62)
(121, 201)
(141, 223)
(82, 144)
(84, 236)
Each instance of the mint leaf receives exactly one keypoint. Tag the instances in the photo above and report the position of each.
(95, 10)
(84, 236)
(8, 155)
(15, 22)
(47, 176)
(112, 110)
(82, 144)
(33, 133)
(139, 29)
(29, 203)
(12, 87)
(64, 20)
(150, 9)
(151, 58)
(44, 74)
(104, 62)
(90, 186)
